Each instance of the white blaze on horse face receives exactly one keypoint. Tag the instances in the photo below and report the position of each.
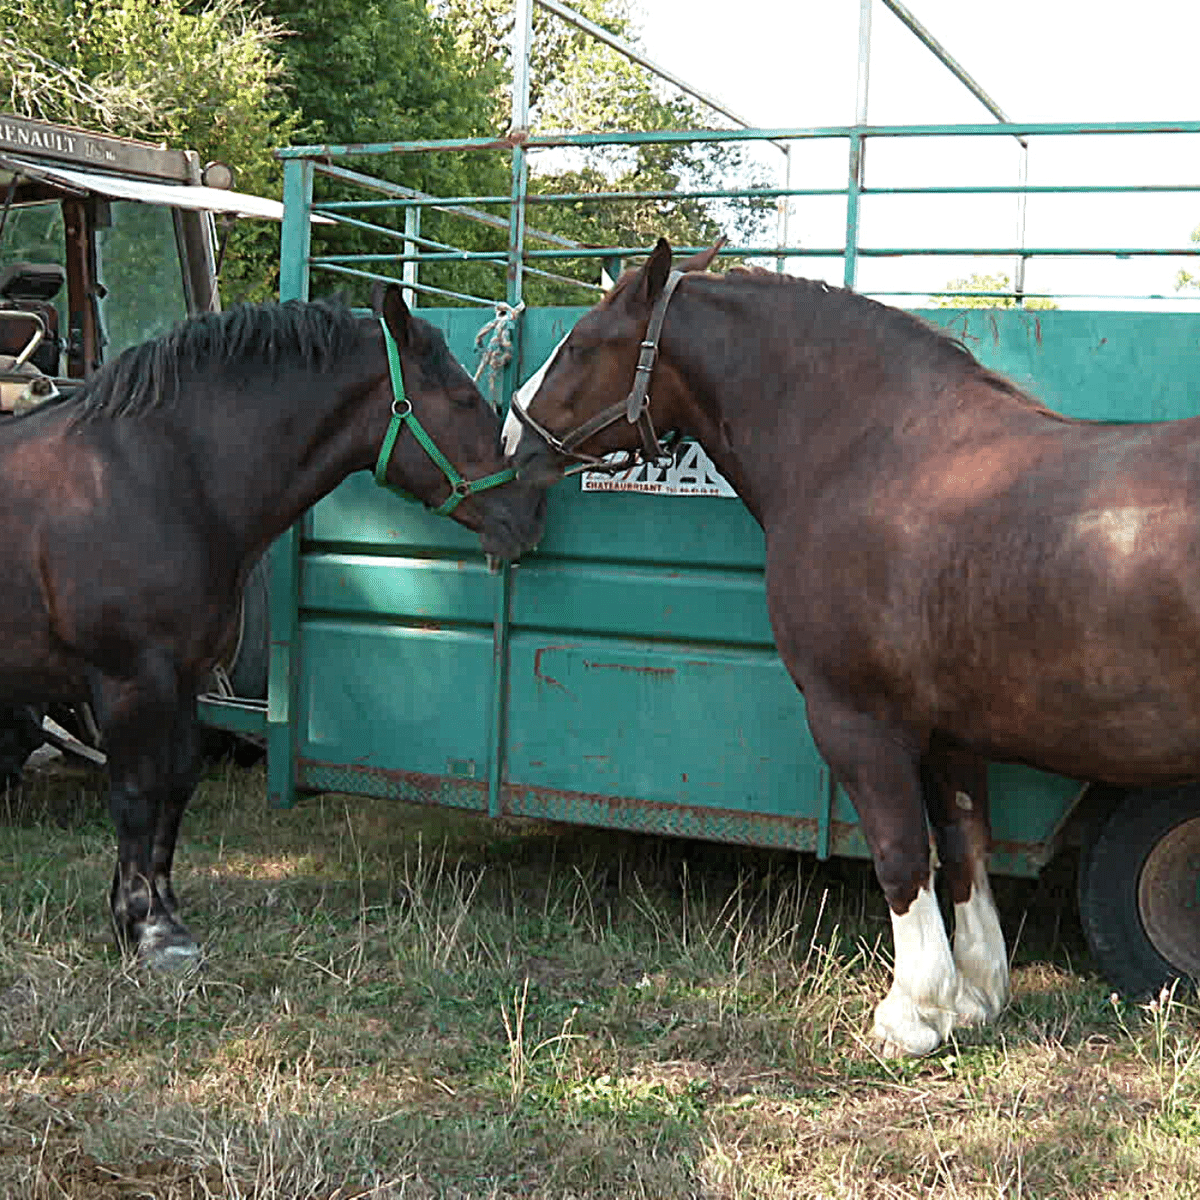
(979, 954)
(510, 435)
(918, 1013)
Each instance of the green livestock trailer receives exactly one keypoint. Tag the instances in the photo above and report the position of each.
(624, 675)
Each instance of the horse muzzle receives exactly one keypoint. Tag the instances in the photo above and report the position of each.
(513, 518)
(538, 464)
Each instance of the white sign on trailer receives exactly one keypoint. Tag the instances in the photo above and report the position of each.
(692, 473)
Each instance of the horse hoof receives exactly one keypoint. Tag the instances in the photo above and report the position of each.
(173, 960)
(973, 1006)
(904, 1031)
(168, 948)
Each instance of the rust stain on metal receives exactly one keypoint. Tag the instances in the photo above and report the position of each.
(653, 672)
(995, 330)
(538, 673)
(723, 825)
(1037, 331)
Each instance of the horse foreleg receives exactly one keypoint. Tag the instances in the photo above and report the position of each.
(139, 719)
(185, 771)
(957, 797)
(881, 774)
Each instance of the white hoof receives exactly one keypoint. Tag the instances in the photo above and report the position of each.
(903, 1028)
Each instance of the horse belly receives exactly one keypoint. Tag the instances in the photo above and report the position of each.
(1093, 674)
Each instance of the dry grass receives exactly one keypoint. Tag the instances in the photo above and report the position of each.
(412, 1003)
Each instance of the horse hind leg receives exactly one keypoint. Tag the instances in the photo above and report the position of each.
(957, 798)
(881, 774)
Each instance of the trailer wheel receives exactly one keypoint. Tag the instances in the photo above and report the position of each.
(1139, 890)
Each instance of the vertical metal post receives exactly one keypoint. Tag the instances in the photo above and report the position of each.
(1022, 198)
(412, 229)
(284, 594)
(864, 61)
(498, 731)
(853, 187)
(610, 271)
(783, 212)
(855, 173)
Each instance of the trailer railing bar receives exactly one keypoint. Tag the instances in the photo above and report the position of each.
(497, 256)
(398, 235)
(1011, 295)
(787, 133)
(891, 252)
(331, 209)
(399, 190)
(416, 287)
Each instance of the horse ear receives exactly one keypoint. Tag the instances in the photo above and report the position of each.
(395, 313)
(703, 260)
(652, 277)
(377, 297)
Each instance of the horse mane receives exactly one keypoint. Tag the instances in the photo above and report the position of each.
(903, 333)
(309, 335)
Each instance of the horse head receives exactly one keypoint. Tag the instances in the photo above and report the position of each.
(442, 446)
(592, 397)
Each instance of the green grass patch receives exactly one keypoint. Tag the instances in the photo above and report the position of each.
(406, 1002)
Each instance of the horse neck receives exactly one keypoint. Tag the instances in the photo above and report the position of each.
(275, 449)
(789, 408)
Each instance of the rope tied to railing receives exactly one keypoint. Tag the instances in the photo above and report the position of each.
(498, 352)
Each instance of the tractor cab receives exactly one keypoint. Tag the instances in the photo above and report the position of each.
(105, 242)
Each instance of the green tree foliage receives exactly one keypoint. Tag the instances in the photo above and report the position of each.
(985, 283)
(206, 77)
(234, 79)
(386, 71)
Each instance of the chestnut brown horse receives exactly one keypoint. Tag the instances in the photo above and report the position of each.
(132, 513)
(954, 573)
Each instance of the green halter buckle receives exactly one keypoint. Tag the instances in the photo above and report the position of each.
(402, 414)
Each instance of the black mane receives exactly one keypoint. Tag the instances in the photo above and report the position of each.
(309, 335)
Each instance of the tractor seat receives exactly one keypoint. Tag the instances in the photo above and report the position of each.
(31, 281)
(25, 288)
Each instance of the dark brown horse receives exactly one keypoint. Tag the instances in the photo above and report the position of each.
(954, 573)
(132, 513)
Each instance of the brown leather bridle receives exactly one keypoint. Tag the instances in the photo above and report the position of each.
(635, 408)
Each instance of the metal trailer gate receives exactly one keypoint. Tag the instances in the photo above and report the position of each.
(624, 675)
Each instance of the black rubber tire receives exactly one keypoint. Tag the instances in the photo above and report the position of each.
(1139, 890)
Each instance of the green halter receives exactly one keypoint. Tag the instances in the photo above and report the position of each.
(402, 414)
